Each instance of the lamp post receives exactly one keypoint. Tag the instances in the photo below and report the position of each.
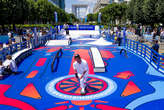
(56, 20)
(99, 21)
(56, 17)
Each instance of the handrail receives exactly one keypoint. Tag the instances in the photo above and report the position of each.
(32, 43)
(144, 51)
(58, 55)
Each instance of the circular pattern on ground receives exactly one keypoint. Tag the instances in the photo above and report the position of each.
(71, 86)
(67, 88)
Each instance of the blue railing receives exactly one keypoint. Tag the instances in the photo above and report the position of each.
(151, 56)
(144, 51)
(32, 43)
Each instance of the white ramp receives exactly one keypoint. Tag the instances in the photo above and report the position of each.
(76, 34)
(100, 42)
(57, 43)
(98, 62)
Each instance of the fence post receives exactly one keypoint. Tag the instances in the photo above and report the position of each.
(145, 51)
(151, 57)
(141, 50)
(137, 47)
(158, 62)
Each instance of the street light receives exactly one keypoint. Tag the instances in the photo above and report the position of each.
(99, 21)
(99, 18)
(56, 17)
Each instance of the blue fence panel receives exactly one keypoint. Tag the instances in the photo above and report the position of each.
(151, 56)
(33, 43)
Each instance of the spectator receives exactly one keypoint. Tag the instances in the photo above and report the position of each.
(9, 34)
(156, 46)
(154, 34)
(11, 64)
(162, 35)
(119, 38)
(1, 46)
(138, 31)
(1, 70)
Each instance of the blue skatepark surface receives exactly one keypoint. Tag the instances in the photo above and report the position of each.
(133, 88)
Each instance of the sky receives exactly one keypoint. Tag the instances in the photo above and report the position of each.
(69, 3)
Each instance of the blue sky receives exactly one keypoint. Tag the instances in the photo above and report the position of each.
(69, 3)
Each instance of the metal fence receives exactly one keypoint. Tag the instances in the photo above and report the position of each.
(144, 51)
(151, 56)
(32, 43)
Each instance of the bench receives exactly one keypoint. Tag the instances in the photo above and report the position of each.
(20, 55)
(98, 62)
(58, 43)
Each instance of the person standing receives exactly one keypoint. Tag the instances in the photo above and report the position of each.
(81, 72)
(162, 35)
(67, 29)
(156, 46)
(119, 38)
(154, 34)
(77, 26)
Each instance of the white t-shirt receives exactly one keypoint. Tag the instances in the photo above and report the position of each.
(77, 26)
(11, 64)
(162, 33)
(9, 34)
(81, 67)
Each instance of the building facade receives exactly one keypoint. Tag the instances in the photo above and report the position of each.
(76, 10)
(59, 3)
(102, 3)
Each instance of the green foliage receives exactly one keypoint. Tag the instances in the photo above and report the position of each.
(160, 11)
(91, 17)
(149, 12)
(138, 14)
(146, 12)
(72, 18)
(130, 10)
(31, 12)
(114, 12)
(149, 9)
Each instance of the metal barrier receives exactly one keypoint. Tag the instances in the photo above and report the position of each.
(144, 51)
(151, 56)
(33, 43)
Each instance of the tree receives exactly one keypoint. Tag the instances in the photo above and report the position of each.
(90, 17)
(138, 14)
(113, 12)
(30, 11)
(160, 11)
(130, 10)
(149, 9)
(72, 18)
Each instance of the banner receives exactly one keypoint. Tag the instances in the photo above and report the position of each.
(56, 17)
(99, 18)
